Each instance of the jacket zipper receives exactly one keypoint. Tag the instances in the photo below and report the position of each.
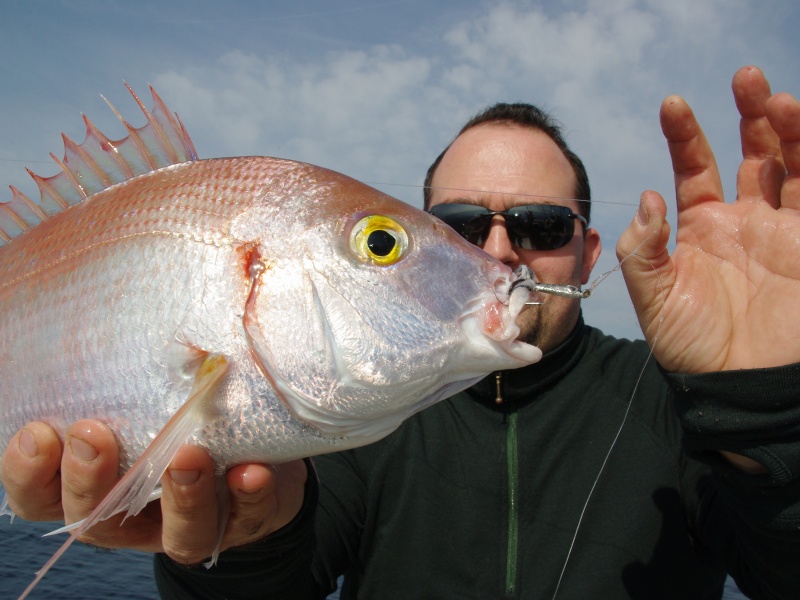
(512, 459)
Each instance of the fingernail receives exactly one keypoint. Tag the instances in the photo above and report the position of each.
(82, 450)
(27, 444)
(184, 477)
(641, 214)
(248, 487)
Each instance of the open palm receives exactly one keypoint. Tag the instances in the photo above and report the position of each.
(729, 296)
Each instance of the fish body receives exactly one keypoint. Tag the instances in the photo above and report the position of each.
(109, 307)
(338, 310)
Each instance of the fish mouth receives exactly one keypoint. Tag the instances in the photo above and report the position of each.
(518, 292)
(490, 319)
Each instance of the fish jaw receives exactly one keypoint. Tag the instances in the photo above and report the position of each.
(489, 321)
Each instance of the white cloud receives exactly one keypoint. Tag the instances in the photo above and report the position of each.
(338, 112)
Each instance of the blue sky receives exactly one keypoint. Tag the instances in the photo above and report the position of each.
(375, 89)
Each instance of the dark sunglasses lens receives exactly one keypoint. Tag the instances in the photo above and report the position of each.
(470, 222)
(530, 227)
(540, 227)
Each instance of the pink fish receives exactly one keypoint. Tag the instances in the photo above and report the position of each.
(262, 308)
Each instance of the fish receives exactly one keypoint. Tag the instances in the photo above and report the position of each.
(262, 308)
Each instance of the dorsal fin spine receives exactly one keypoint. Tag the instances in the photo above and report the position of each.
(23, 200)
(111, 150)
(171, 153)
(70, 177)
(98, 163)
(70, 146)
(133, 135)
(19, 215)
(47, 190)
(188, 145)
(15, 218)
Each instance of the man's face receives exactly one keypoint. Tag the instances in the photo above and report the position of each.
(499, 166)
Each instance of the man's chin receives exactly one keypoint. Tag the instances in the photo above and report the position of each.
(533, 335)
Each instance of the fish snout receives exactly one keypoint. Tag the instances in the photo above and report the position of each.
(495, 321)
(511, 293)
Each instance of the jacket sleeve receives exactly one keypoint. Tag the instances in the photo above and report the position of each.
(755, 413)
(278, 566)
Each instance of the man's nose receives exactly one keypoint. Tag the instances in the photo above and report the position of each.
(498, 244)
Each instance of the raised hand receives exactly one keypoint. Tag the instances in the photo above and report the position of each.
(730, 293)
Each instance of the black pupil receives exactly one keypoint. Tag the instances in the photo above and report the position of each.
(380, 242)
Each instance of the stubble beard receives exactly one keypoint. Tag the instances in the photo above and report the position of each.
(545, 326)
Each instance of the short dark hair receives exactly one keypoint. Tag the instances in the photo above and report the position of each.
(524, 115)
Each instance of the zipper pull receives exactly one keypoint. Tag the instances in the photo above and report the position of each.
(498, 387)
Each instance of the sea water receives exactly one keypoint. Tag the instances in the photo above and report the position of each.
(82, 573)
(86, 573)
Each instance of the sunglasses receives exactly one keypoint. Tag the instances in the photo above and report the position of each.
(530, 226)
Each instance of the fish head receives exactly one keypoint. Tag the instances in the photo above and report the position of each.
(367, 310)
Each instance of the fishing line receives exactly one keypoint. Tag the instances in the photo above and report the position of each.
(627, 409)
(515, 194)
(414, 186)
(22, 160)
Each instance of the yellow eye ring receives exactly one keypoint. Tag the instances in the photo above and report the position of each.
(379, 240)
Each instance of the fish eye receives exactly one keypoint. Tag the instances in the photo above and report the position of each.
(379, 240)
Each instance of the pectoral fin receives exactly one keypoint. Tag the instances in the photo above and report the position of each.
(134, 490)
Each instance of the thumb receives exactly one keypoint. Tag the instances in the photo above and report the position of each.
(645, 261)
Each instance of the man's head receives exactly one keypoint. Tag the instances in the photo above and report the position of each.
(511, 155)
(532, 117)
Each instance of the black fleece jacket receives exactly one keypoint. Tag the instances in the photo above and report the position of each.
(522, 499)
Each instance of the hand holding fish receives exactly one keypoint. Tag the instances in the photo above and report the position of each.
(728, 295)
(43, 486)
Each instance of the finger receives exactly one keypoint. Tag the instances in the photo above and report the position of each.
(89, 468)
(189, 506)
(645, 261)
(751, 91)
(30, 472)
(697, 178)
(783, 112)
(263, 499)
(253, 503)
(761, 172)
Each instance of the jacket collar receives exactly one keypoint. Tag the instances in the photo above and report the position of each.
(525, 384)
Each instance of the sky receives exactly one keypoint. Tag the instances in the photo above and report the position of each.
(375, 89)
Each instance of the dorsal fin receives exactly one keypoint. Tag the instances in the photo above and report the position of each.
(98, 163)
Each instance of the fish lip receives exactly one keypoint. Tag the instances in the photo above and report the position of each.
(489, 320)
(521, 351)
(511, 289)
(489, 324)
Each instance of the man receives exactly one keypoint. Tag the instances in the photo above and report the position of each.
(564, 479)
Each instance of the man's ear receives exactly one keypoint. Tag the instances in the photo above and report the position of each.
(591, 252)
